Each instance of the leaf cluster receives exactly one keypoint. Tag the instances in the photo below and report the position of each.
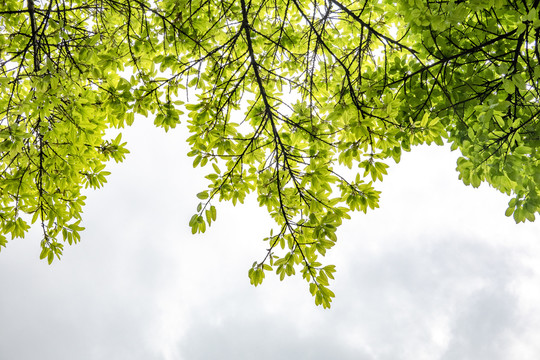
(303, 103)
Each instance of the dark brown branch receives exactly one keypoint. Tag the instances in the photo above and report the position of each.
(32, 12)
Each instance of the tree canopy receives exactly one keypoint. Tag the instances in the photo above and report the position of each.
(302, 102)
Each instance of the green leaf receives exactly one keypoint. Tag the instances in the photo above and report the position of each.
(523, 150)
(203, 195)
(50, 257)
(425, 119)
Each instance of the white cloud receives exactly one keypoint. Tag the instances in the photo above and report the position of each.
(437, 273)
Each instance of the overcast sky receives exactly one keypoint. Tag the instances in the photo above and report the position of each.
(438, 272)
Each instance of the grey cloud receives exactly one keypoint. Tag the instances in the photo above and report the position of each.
(72, 310)
(263, 338)
(447, 297)
(482, 328)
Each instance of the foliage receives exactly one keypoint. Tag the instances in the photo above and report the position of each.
(303, 102)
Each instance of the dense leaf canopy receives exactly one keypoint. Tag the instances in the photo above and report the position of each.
(303, 102)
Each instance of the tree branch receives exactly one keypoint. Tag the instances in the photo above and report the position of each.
(32, 12)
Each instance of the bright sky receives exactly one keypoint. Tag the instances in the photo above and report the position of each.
(438, 272)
